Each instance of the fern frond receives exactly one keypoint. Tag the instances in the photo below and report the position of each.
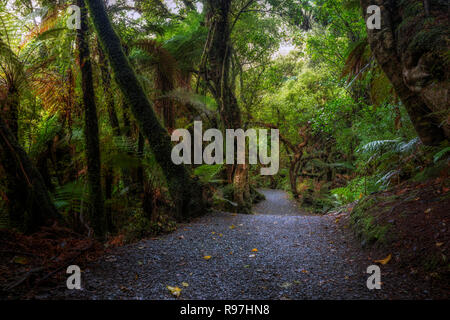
(358, 58)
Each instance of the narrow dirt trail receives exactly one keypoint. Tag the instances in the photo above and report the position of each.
(299, 257)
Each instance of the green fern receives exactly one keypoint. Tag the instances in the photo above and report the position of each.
(72, 196)
(440, 154)
(208, 172)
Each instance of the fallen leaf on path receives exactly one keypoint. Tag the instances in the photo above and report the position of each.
(207, 257)
(254, 250)
(438, 244)
(385, 260)
(286, 285)
(20, 260)
(124, 289)
(252, 256)
(185, 284)
(175, 291)
(232, 226)
(428, 210)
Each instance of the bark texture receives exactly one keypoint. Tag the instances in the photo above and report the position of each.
(412, 49)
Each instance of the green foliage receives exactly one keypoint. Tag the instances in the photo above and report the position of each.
(364, 223)
(207, 173)
(440, 154)
(355, 189)
(71, 197)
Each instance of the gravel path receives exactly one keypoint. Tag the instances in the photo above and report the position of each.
(298, 257)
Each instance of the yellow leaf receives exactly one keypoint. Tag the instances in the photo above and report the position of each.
(20, 260)
(213, 232)
(232, 226)
(438, 244)
(185, 284)
(207, 257)
(254, 250)
(385, 260)
(175, 291)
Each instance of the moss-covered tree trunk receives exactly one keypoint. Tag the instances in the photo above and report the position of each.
(16, 207)
(219, 60)
(186, 192)
(31, 204)
(97, 211)
(412, 49)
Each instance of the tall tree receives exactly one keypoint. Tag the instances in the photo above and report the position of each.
(97, 212)
(217, 75)
(186, 192)
(412, 49)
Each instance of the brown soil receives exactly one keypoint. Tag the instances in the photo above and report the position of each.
(40, 260)
(418, 237)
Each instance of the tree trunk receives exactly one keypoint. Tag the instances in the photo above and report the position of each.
(31, 203)
(186, 193)
(109, 97)
(14, 185)
(218, 15)
(293, 174)
(97, 211)
(411, 50)
(11, 111)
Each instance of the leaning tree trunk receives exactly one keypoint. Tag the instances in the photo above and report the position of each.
(186, 193)
(97, 211)
(32, 201)
(412, 49)
(218, 15)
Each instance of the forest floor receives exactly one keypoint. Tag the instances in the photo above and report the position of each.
(279, 252)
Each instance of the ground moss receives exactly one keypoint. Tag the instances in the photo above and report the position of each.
(364, 224)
